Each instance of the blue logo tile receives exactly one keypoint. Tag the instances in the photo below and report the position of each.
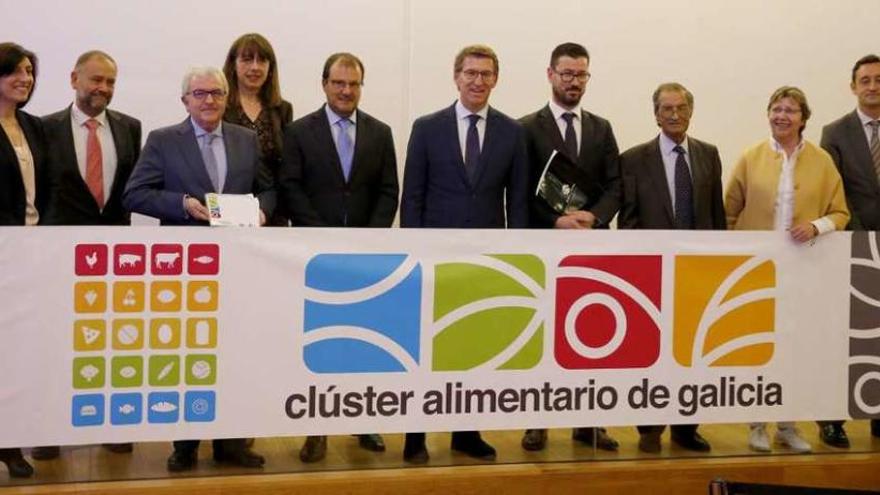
(199, 407)
(164, 407)
(88, 410)
(126, 409)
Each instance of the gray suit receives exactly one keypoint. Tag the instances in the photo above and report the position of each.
(171, 166)
(844, 139)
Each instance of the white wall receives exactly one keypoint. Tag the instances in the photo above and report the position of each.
(732, 55)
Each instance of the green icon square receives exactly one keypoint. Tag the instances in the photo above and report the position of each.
(201, 369)
(164, 371)
(127, 371)
(88, 372)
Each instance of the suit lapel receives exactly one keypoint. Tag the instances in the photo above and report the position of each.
(323, 136)
(122, 142)
(588, 128)
(361, 137)
(548, 126)
(855, 135)
(234, 156)
(453, 144)
(657, 172)
(699, 176)
(189, 147)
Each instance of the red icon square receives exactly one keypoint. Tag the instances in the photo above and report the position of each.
(608, 312)
(166, 259)
(203, 259)
(91, 259)
(129, 259)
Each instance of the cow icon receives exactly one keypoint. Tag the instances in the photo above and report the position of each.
(129, 259)
(166, 259)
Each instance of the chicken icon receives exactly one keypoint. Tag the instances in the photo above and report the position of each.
(92, 259)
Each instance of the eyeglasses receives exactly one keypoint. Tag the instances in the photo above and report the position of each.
(787, 111)
(471, 75)
(202, 94)
(568, 76)
(340, 85)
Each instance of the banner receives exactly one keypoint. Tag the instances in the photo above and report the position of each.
(147, 334)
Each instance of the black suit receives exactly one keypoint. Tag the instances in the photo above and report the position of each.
(311, 181)
(845, 140)
(647, 204)
(12, 193)
(71, 202)
(597, 165)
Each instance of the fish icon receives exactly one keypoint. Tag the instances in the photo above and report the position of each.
(204, 260)
(163, 407)
(127, 409)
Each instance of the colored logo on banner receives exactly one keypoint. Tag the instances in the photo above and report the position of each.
(487, 313)
(362, 313)
(725, 310)
(608, 312)
(864, 324)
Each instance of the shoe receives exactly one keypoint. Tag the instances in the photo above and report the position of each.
(243, 457)
(314, 449)
(791, 438)
(372, 442)
(46, 453)
(758, 439)
(834, 435)
(649, 443)
(182, 460)
(414, 450)
(473, 445)
(694, 442)
(16, 464)
(875, 427)
(601, 437)
(119, 448)
(534, 440)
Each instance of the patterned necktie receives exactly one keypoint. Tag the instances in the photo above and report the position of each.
(571, 142)
(472, 148)
(344, 147)
(94, 163)
(211, 161)
(875, 145)
(684, 192)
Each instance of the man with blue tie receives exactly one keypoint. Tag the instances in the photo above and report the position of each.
(466, 167)
(339, 169)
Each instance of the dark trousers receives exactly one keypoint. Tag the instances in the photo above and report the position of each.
(225, 445)
(677, 430)
(457, 437)
(9, 454)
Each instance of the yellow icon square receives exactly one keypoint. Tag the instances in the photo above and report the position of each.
(90, 297)
(165, 296)
(202, 295)
(128, 297)
(89, 335)
(165, 333)
(128, 334)
(201, 333)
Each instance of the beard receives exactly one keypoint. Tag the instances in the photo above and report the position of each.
(563, 97)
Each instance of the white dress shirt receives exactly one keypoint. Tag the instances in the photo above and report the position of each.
(105, 137)
(865, 127)
(557, 111)
(785, 192)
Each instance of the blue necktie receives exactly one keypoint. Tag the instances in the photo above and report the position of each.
(211, 161)
(344, 147)
(472, 148)
(571, 142)
(684, 192)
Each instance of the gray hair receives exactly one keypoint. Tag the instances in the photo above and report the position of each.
(193, 72)
(675, 88)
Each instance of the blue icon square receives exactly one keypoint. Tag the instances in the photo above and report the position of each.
(88, 410)
(164, 407)
(199, 407)
(126, 409)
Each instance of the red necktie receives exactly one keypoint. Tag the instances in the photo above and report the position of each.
(94, 163)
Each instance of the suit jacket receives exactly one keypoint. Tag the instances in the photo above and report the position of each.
(436, 190)
(597, 165)
(312, 185)
(171, 166)
(646, 202)
(71, 203)
(12, 193)
(844, 139)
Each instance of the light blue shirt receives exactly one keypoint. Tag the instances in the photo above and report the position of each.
(667, 151)
(333, 118)
(217, 147)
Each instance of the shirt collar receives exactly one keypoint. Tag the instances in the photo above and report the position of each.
(462, 113)
(80, 118)
(667, 145)
(864, 117)
(557, 110)
(333, 117)
(779, 149)
(201, 132)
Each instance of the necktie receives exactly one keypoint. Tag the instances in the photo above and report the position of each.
(472, 148)
(211, 161)
(344, 147)
(684, 192)
(875, 145)
(94, 163)
(571, 142)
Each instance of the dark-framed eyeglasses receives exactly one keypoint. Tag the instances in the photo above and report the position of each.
(569, 76)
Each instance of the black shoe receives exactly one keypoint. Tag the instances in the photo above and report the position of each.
(46, 453)
(875, 427)
(649, 443)
(414, 450)
(182, 460)
(119, 448)
(694, 442)
(834, 435)
(314, 449)
(587, 435)
(473, 445)
(534, 440)
(243, 457)
(16, 464)
(372, 442)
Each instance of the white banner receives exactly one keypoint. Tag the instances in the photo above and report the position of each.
(144, 334)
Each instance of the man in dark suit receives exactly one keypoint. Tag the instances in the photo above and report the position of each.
(91, 151)
(339, 170)
(586, 147)
(178, 166)
(466, 167)
(853, 143)
(672, 182)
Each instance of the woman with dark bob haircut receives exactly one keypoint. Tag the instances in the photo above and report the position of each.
(255, 101)
(22, 180)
